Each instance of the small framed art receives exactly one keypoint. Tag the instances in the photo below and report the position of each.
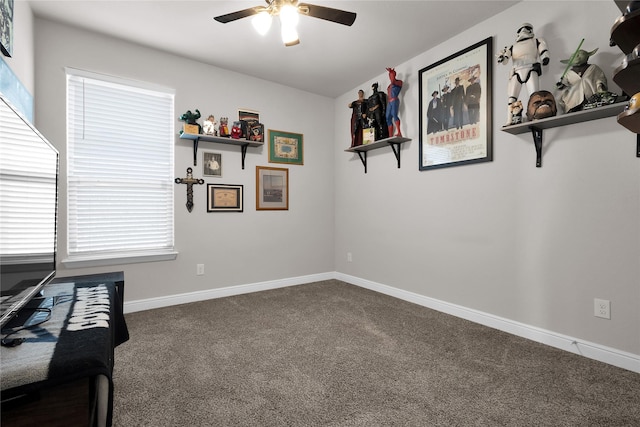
(285, 147)
(224, 198)
(212, 164)
(272, 188)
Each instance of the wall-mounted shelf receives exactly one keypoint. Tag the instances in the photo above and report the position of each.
(627, 75)
(536, 126)
(243, 143)
(394, 142)
(630, 120)
(625, 32)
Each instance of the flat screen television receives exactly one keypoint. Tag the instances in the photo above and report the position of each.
(28, 211)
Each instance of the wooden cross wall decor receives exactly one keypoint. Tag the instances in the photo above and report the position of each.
(190, 181)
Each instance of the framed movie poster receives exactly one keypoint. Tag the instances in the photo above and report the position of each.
(272, 188)
(455, 108)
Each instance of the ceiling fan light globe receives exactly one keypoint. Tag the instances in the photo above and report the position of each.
(262, 22)
(289, 15)
(289, 35)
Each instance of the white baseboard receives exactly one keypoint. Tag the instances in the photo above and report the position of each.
(587, 349)
(159, 302)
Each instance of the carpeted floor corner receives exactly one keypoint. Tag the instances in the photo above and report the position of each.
(333, 354)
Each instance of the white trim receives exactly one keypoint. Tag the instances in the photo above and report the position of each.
(587, 349)
(169, 300)
(87, 261)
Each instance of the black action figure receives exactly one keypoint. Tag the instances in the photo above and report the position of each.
(377, 106)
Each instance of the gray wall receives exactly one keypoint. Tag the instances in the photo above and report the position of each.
(236, 248)
(506, 238)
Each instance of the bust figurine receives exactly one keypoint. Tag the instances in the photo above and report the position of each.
(209, 126)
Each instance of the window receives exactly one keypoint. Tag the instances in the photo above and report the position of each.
(119, 170)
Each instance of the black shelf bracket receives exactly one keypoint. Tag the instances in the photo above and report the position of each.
(537, 141)
(394, 142)
(195, 151)
(363, 159)
(638, 145)
(243, 148)
(395, 146)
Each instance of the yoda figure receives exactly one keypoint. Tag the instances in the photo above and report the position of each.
(580, 82)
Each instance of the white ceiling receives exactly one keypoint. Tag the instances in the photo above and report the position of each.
(330, 60)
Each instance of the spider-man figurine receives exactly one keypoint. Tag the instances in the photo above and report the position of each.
(393, 91)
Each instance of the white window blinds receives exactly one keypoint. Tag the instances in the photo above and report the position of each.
(119, 167)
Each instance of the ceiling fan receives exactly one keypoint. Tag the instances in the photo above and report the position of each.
(288, 11)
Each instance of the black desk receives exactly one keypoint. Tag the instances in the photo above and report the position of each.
(61, 373)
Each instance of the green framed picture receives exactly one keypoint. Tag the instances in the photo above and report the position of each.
(285, 147)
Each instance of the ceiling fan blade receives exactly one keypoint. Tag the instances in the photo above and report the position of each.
(236, 15)
(328, 14)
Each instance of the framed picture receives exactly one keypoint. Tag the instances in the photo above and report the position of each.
(212, 164)
(224, 198)
(455, 108)
(6, 29)
(272, 188)
(285, 147)
(256, 132)
(249, 115)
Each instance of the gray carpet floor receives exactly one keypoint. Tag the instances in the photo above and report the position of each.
(333, 354)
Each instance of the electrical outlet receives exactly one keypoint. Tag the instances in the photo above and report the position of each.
(349, 257)
(602, 308)
(200, 269)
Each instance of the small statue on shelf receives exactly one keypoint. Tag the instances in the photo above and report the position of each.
(542, 104)
(358, 118)
(223, 128)
(209, 126)
(393, 93)
(239, 129)
(580, 81)
(190, 119)
(376, 112)
(516, 112)
(528, 54)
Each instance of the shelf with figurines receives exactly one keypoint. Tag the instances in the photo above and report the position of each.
(581, 92)
(625, 33)
(243, 133)
(627, 75)
(373, 121)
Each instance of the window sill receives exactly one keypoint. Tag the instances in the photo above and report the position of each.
(87, 261)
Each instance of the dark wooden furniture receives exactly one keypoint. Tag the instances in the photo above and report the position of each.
(72, 394)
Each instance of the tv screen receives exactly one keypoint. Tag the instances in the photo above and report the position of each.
(28, 211)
